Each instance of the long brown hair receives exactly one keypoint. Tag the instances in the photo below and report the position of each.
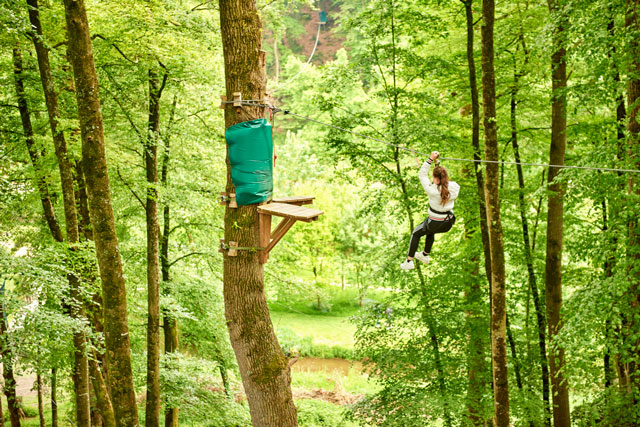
(442, 174)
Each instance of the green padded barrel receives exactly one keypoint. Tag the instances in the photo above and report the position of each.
(251, 158)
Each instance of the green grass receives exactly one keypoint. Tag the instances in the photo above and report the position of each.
(324, 330)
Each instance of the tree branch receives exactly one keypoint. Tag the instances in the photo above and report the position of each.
(130, 189)
(185, 256)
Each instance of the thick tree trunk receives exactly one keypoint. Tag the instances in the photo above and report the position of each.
(170, 324)
(477, 366)
(533, 286)
(101, 213)
(39, 175)
(632, 23)
(7, 370)
(553, 269)
(102, 394)
(264, 369)
(498, 290)
(54, 398)
(40, 400)
(152, 417)
(81, 367)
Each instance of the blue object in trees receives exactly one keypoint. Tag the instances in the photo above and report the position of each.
(323, 17)
(251, 160)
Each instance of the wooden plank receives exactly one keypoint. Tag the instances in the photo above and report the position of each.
(290, 211)
(295, 200)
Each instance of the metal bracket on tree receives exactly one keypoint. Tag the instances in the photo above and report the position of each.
(229, 199)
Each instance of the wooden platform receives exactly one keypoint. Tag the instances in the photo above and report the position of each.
(294, 200)
(291, 210)
(286, 210)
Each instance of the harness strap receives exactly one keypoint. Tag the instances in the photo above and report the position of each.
(439, 212)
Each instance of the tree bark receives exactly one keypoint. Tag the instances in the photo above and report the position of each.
(477, 366)
(533, 286)
(264, 369)
(553, 269)
(39, 175)
(170, 324)
(102, 394)
(152, 417)
(101, 213)
(40, 400)
(54, 398)
(498, 289)
(632, 24)
(84, 223)
(81, 367)
(7, 370)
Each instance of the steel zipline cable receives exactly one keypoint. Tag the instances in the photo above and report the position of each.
(263, 104)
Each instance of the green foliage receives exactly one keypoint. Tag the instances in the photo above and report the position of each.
(314, 413)
(193, 384)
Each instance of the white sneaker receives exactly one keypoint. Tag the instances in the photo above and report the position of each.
(407, 265)
(420, 256)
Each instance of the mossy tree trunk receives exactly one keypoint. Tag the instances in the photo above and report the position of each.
(476, 348)
(34, 153)
(498, 288)
(264, 369)
(632, 23)
(555, 210)
(170, 323)
(117, 340)
(152, 412)
(9, 386)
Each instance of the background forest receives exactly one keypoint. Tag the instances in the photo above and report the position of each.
(367, 343)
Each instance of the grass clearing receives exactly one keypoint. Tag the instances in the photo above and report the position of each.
(324, 330)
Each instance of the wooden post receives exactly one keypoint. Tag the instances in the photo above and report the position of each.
(265, 236)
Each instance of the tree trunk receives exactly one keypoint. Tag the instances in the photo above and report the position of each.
(81, 367)
(152, 417)
(101, 212)
(632, 23)
(264, 369)
(80, 372)
(39, 175)
(84, 223)
(7, 370)
(533, 287)
(553, 269)
(40, 401)
(498, 289)
(477, 365)
(102, 395)
(54, 398)
(170, 324)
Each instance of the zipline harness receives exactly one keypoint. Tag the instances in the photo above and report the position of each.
(260, 103)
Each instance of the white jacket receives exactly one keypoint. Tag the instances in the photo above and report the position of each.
(433, 191)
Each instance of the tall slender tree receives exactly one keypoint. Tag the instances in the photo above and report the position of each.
(555, 210)
(81, 366)
(632, 24)
(498, 288)
(477, 368)
(117, 340)
(264, 369)
(152, 413)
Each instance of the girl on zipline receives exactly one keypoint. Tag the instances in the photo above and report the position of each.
(442, 193)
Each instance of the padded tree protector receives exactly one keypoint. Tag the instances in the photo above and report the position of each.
(251, 159)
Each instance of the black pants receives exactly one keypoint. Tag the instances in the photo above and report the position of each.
(429, 228)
